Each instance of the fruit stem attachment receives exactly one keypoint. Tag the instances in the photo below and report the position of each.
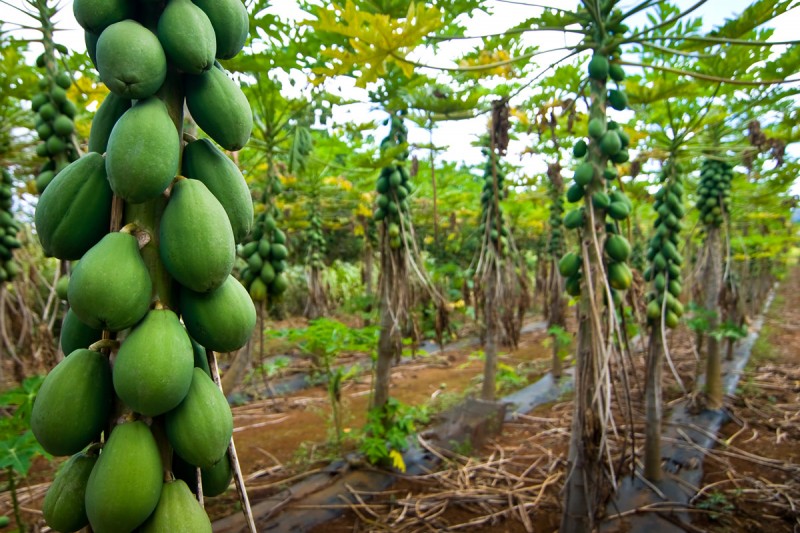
(104, 344)
(130, 229)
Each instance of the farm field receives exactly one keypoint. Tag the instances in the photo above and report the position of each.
(395, 265)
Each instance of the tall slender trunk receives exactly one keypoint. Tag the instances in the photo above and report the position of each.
(490, 346)
(386, 354)
(555, 315)
(713, 280)
(653, 408)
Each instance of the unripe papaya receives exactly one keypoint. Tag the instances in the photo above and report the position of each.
(231, 24)
(201, 426)
(610, 143)
(618, 248)
(200, 357)
(75, 334)
(569, 265)
(73, 403)
(216, 479)
(618, 99)
(125, 484)
(96, 15)
(130, 60)
(64, 506)
(619, 276)
(187, 36)
(177, 512)
(584, 174)
(143, 152)
(103, 122)
(205, 162)
(221, 320)
(596, 128)
(580, 148)
(220, 108)
(280, 284)
(598, 67)
(196, 240)
(153, 369)
(111, 287)
(73, 212)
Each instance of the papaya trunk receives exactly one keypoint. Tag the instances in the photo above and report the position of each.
(386, 354)
(556, 312)
(713, 277)
(490, 347)
(584, 466)
(652, 443)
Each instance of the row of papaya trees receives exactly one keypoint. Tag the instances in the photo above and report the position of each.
(157, 209)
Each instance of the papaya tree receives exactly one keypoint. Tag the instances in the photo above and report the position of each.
(154, 281)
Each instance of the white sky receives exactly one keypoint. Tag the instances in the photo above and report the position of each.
(455, 135)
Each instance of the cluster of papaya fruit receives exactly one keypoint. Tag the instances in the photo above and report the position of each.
(714, 192)
(316, 243)
(54, 125)
(9, 228)
(394, 187)
(595, 175)
(266, 258)
(493, 225)
(665, 260)
(158, 393)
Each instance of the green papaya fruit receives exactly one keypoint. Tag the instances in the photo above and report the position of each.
(596, 128)
(598, 67)
(619, 210)
(600, 200)
(569, 265)
(75, 334)
(254, 263)
(619, 276)
(575, 193)
(280, 252)
(206, 163)
(573, 286)
(61, 287)
(610, 143)
(196, 241)
(653, 310)
(73, 403)
(153, 368)
(111, 287)
(267, 273)
(584, 174)
(90, 39)
(64, 506)
(130, 60)
(231, 24)
(96, 15)
(258, 290)
(201, 426)
(618, 99)
(616, 72)
(221, 320)
(220, 108)
(63, 125)
(618, 248)
(73, 212)
(177, 512)
(580, 148)
(216, 479)
(264, 248)
(200, 357)
(280, 284)
(143, 152)
(109, 112)
(187, 36)
(125, 484)
(574, 219)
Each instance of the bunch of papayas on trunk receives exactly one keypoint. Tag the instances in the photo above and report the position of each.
(102, 402)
